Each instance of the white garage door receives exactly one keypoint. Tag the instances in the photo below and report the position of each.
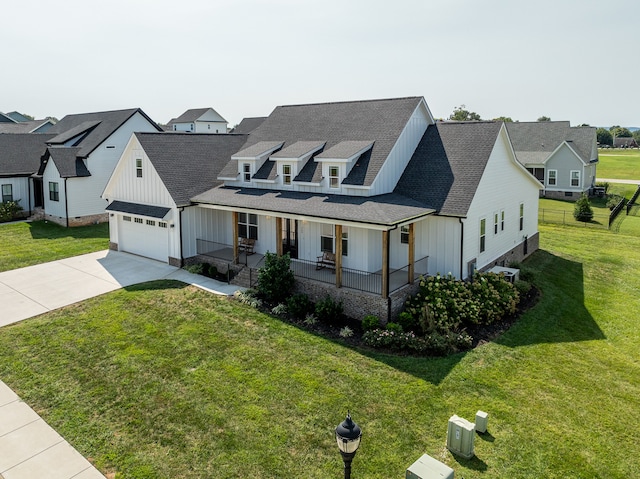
(143, 236)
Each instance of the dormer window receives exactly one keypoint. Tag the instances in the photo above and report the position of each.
(286, 174)
(334, 177)
(138, 167)
(246, 172)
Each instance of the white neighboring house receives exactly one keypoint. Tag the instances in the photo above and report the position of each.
(152, 184)
(563, 158)
(377, 187)
(79, 161)
(199, 120)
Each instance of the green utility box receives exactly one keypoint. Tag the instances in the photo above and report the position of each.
(460, 436)
(429, 468)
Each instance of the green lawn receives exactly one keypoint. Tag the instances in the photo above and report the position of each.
(619, 164)
(26, 244)
(166, 381)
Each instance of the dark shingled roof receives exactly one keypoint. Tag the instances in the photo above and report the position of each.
(99, 127)
(189, 164)
(67, 162)
(384, 210)
(20, 153)
(247, 125)
(533, 142)
(193, 115)
(445, 170)
(25, 126)
(381, 121)
(138, 209)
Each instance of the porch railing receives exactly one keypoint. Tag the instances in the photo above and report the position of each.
(218, 250)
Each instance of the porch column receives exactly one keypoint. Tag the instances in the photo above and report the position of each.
(412, 254)
(338, 256)
(234, 219)
(385, 264)
(279, 236)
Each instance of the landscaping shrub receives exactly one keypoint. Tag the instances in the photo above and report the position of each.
(279, 309)
(582, 210)
(370, 322)
(523, 287)
(275, 278)
(299, 305)
(407, 321)
(328, 311)
(494, 296)
(9, 210)
(195, 268)
(613, 200)
(346, 332)
(394, 327)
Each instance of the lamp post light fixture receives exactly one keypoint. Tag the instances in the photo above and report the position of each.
(348, 435)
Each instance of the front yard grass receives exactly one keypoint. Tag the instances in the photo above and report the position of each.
(163, 380)
(26, 244)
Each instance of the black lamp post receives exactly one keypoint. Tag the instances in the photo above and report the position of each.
(348, 436)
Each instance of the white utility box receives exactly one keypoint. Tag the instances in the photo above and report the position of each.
(460, 436)
(482, 418)
(429, 468)
(510, 274)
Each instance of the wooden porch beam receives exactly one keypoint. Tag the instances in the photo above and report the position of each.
(338, 240)
(385, 264)
(412, 253)
(279, 235)
(234, 219)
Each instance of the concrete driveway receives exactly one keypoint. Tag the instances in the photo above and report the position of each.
(30, 291)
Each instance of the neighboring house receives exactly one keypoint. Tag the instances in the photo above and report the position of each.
(365, 196)
(29, 126)
(20, 156)
(247, 125)
(562, 157)
(79, 161)
(199, 120)
(624, 142)
(152, 185)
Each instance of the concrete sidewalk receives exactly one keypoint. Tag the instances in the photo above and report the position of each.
(29, 447)
(30, 291)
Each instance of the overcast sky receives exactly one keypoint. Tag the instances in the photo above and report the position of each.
(566, 59)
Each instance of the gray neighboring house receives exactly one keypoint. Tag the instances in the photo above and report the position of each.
(14, 122)
(563, 158)
(20, 157)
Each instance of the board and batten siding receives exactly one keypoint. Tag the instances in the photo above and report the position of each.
(85, 193)
(206, 224)
(504, 186)
(54, 208)
(401, 153)
(21, 192)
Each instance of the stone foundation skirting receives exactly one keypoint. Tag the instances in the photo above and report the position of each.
(79, 220)
(113, 246)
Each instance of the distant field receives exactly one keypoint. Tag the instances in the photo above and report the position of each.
(619, 164)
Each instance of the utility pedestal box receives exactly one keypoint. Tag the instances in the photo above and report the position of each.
(482, 418)
(429, 468)
(460, 436)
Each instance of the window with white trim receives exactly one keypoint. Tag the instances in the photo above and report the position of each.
(502, 220)
(248, 226)
(404, 234)
(521, 216)
(162, 224)
(334, 177)
(54, 191)
(326, 238)
(495, 223)
(151, 223)
(483, 234)
(138, 220)
(138, 167)
(345, 241)
(552, 177)
(286, 174)
(575, 178)
(126, 218)
(246, 172)
(7, 193)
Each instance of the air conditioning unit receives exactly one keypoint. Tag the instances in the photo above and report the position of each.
(429, 468)
(482, 418)
(510, 274)
(460, 436)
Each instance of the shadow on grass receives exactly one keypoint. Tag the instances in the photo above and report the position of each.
(50, 230)
(560, 314)
(156, 285)
(475, 463)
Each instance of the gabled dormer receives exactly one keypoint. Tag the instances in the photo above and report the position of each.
(250, 160)
(289, 162)
(337, 161)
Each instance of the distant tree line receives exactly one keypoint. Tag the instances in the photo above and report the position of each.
(460, 113)
(606, 136)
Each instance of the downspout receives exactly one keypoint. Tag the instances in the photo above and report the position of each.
(180, 234)
(461, 245)
(29, 180)
(66, 202)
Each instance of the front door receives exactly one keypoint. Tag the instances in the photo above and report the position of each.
(38, 195)
(289, 237)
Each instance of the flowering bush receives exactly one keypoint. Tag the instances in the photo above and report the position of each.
(435, 343)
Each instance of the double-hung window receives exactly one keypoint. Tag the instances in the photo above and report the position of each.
(345, 241)
(138, 167)
(502, 220)
(575, 178)
(334, 177)
(326, 238)
(495, 223)
(404, 234)
(248, 226)
(483, 234)
(521, 216)
(246, 172)
(286, 174)
(7, 193)
(54, 191)
(552, 178)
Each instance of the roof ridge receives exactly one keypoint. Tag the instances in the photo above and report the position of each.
(350, 101)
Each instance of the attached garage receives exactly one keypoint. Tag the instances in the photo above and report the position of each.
(141, 229)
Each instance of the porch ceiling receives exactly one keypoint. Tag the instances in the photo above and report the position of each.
(384, 210)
